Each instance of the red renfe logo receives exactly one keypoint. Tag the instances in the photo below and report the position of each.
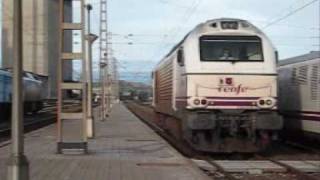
(227, 85)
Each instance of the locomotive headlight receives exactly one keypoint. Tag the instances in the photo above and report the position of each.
(266, 102)
(196, 101)
(244, 24)
(199, 102)
(261, 102)
(269, 102)
(204, 102)
(229, 25)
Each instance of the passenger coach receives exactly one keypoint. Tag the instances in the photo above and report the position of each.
(299, 88)
(220, 85)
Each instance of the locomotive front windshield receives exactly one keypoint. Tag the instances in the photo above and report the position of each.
(231, 48)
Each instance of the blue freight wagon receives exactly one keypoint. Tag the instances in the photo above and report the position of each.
(31, 93)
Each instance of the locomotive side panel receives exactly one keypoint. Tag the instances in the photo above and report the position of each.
(5, 95)
(180, 86)
(32, 91)
(164, 88)
(5, 88)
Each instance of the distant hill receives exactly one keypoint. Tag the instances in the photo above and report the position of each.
(142, 77)
(136, 71)
(134, 86)
(131, 71)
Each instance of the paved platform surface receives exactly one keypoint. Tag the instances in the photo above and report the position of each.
(124, 149)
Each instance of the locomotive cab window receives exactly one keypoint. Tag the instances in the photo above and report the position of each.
(180, 57)
(231, 48)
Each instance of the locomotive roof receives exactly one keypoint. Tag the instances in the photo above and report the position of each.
(199, 26)
(4, 72)
(8, 72)
(305, 57)
(202, 25)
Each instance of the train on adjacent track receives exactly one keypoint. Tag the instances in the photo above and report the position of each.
(31, 93)
(217, 88)
(299, 93)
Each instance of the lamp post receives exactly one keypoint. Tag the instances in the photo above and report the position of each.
(90, 39)
(18, 166)
(103, 65)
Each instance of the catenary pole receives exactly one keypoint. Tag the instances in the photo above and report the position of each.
(18, 166)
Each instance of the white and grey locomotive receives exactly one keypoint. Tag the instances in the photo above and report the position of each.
(220, 85)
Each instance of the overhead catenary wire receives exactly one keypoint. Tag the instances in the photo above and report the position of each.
(289, 14)
(161, 46)
(175, 30)
(173, 3)
(304, 28)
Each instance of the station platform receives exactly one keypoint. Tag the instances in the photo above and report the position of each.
(124, 149)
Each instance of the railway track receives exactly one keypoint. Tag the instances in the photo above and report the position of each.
(280, 170)
(32, 122)
(289, 172)
(44, 117)
(141, 113)
(300, 174)
(221, 171)
(28, 127)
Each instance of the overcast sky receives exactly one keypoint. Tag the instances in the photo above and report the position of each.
(157, 25)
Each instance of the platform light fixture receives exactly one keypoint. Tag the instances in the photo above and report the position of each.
(90, 40)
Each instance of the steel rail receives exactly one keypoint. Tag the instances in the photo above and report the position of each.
(299, 173)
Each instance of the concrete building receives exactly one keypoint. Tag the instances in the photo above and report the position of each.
(40, 39)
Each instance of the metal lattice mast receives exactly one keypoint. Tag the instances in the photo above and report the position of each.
(66, 56)
(103, 56)
(111, 77)
(108, 79)
(110, 85)
(115, 82)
